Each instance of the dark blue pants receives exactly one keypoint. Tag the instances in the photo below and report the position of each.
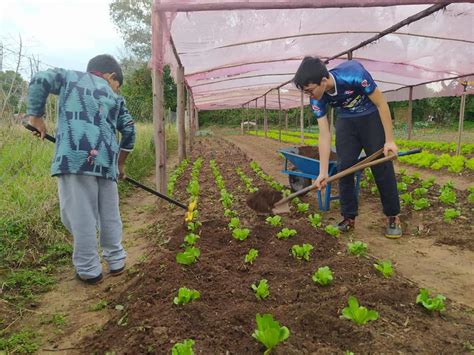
(353, 135)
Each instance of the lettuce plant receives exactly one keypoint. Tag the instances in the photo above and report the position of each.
(191, 239)
(430, 303)
(234, 223)
(332, 230)
(406, 198)
(302, 207)
(421, 204)
(357, 248)
(194, 226)
(401, 186)
(229, 213)
(385, 267)
(447, 196)
(470, 197)
(450, 214)
(274, 221)
(301, 251)
(251, 256)
(184, 348)
(358, 314)
(269, 332)
(315, 220)
(189, 256)
(185, 295)
(241, 233)
(419, 192)
(428, 183)
(261, 290)
(285, 233)
(323, 276)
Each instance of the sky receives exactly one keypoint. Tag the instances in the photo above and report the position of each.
(63, 33)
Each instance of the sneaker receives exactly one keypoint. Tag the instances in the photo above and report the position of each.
(118, 271)
(394, 227)
(346, 225)
(91, 281)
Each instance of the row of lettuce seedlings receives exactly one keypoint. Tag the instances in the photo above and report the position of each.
(417, 198)
(359, 315)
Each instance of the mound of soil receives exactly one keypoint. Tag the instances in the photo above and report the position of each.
(263, 200)
(223, 319)
(313, 152)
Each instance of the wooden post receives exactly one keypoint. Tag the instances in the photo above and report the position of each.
(248, 117)
(331, 114)
(279, 116)
(302, 118)
(159, 130)
(461, 117)
(190, 121)
(196, 118)
(286, 121)
(309, 123)
(410, 113)
(256, 119)
(180, 115)
(242, 121)
(265, 117)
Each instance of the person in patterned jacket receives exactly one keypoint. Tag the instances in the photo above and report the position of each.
(88, 160)
(363, 122)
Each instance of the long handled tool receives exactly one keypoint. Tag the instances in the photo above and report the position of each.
(130, 180)
(282, 206)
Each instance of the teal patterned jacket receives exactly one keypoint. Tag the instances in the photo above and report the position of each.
(89, 115)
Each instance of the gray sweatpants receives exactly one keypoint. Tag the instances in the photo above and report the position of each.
(88, 204)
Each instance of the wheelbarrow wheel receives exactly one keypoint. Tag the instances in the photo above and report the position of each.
(298, 183)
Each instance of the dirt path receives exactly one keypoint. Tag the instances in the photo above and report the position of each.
(444, 269)
(65, 314)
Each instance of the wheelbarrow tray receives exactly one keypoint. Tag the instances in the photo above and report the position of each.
(304, 166)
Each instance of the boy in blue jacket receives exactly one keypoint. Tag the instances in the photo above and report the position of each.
(87, 158)
(363, 122)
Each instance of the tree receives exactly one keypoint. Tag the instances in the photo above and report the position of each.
(133, 20)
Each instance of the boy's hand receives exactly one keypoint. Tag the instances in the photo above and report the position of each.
(390, 147)
(121, 170)
(38, 123)
(321, 181)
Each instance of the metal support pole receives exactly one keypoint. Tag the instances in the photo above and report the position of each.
(302, 118)
(461, 117)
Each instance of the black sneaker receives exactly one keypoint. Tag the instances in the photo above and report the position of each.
(91, 281)
(394, 227)
(117, 272)
(346, 225)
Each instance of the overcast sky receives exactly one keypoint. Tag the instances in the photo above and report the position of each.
(64, 33)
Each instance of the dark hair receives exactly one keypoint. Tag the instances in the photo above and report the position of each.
(105, 63)
(311, 71)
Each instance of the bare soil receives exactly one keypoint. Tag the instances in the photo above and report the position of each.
(222, 321)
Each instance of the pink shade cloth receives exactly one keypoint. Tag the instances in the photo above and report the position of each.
(236, 55)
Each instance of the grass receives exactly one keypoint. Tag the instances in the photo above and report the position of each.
(33, 241)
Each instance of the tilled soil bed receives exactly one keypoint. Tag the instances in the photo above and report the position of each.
(223, 319)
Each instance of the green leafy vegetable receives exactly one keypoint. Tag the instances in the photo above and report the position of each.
(189, 256)
(194, 226)
(358, 314)
(421, 204)
(261, 290)
(285, 233)
(450, 214)
(428, 183)
(234, 223)
(430, 303)
(269, 332)
(184, 348)
(185, 295)
(323, 276)
(315, 220)
(275, 221)
(385, 267)
(332, 230)
(251, 256)
(191, 239)
(240, 233)
(301, 251)
(302, 207)
(357, 248)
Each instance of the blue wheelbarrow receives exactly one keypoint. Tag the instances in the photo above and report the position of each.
(306, 169)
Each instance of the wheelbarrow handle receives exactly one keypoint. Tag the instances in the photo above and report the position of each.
(366, 163)
(130, 180)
